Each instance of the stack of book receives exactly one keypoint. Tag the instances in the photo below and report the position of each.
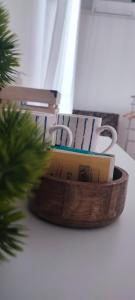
(80, 165)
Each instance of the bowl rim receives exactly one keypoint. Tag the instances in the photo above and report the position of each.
(122, 179)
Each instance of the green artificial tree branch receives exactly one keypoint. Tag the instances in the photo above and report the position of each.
(23, 160)
(23, 156)
(10, 231)
(9, 56)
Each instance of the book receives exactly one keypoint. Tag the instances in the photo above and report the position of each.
(81, 165)
(76, 150)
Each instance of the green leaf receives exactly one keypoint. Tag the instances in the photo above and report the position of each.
(10, 231)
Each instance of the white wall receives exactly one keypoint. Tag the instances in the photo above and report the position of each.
(105, 77)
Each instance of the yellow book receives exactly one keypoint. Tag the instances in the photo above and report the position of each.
(78, 166)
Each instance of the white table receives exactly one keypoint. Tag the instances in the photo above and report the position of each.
(68, 264)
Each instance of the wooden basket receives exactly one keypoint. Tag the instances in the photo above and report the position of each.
(80, 204)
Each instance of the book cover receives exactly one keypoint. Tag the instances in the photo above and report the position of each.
(81, 165)
(81, 151)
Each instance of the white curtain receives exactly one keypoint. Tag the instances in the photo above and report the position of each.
(47, 31)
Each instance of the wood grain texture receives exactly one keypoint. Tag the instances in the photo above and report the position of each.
(80, 204)
(23, 94)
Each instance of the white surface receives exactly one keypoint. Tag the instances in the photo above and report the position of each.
(62, 264)
(105, 64)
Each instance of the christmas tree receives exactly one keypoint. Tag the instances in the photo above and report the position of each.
(23, 156)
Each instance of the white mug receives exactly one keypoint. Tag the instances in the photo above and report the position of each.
(49, 127)
(85, 130)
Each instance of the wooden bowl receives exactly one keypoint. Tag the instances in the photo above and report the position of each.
(80, 204)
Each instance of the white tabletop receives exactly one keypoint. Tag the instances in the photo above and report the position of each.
(68, 264)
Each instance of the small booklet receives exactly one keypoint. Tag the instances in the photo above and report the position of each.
(80, 165)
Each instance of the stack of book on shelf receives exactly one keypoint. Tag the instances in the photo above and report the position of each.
(80, 165)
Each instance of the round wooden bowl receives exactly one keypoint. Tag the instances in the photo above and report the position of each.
(80, 204)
